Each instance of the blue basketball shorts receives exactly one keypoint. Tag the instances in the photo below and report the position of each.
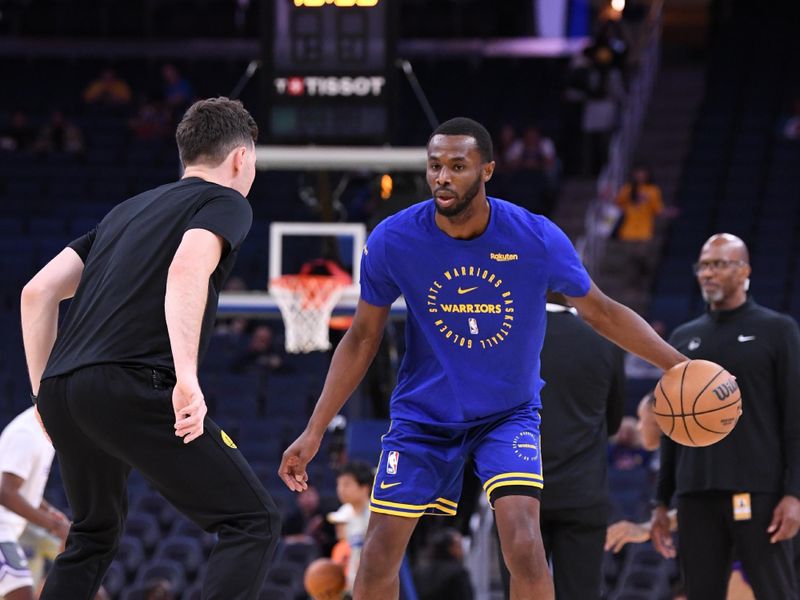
(421, 466)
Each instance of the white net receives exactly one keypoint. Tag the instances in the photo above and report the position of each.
(306, 303)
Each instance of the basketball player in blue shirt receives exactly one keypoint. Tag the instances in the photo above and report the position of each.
(474, 272)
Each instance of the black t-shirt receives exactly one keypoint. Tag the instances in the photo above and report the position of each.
(117, 314)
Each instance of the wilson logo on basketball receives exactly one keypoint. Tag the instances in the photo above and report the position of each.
(724, 390)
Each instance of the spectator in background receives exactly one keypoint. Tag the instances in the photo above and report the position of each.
(306, 522)
(108, 90)
(18, 135)
(610, 35)
(630, 471)
(259, 354)
(538, 153)
(152, 121)
(353, 486)
(340, 553)
(508, 151)
(25, 459)
(443, 575)
(159, 589)
(59, 135)
(178, 92)
(641, 204)
(647, 426)
(595, 88)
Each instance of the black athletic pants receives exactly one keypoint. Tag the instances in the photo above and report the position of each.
(710, 539)
(105, 419)
(573, 542)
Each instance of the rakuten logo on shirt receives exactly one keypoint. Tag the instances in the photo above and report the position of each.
(329, 86)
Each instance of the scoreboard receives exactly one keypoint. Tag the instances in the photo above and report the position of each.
(330, 74)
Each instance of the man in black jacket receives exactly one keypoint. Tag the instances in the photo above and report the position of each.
(582, 404)
(740, 496)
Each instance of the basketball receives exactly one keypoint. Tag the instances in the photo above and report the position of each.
(697, 403)
(324, 579)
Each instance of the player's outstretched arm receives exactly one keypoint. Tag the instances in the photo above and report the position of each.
(56, 281)
(184, 305)
(350, 361)
(625, 328)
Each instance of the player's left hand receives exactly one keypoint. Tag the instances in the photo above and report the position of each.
(785, 519)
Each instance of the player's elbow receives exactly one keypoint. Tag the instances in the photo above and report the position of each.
(36, 292)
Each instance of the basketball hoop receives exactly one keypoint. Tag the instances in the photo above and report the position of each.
(306, 303)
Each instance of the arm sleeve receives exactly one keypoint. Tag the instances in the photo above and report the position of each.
(83, 244)
(615, 405)
(566, 273)
(377, 285)
(16, 457)
(227, 215)
(787, 373)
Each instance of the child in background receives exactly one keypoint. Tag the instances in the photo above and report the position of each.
(353, 486)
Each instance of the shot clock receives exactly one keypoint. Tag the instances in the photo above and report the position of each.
(329, 69)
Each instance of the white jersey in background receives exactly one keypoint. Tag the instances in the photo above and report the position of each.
(26, 453)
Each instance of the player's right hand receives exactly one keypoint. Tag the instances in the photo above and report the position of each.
(660, 532)
(293, 464)
(190, 409)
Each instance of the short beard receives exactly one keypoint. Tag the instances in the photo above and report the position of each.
(714, 297)
(459, 207)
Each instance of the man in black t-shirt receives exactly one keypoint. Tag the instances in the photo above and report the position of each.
(117, 383)
(739, 497)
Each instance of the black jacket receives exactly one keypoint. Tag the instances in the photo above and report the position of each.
(761, 348)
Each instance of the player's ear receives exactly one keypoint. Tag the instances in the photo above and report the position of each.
(239, 159)
(488, 171)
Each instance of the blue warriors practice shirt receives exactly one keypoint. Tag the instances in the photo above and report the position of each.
(476, 308)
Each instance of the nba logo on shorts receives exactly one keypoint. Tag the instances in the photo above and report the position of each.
(391, 462)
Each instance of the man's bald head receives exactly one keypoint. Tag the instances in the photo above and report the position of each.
(733, 245)
(723, 271)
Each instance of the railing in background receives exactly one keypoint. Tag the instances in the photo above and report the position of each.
(602, 214)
